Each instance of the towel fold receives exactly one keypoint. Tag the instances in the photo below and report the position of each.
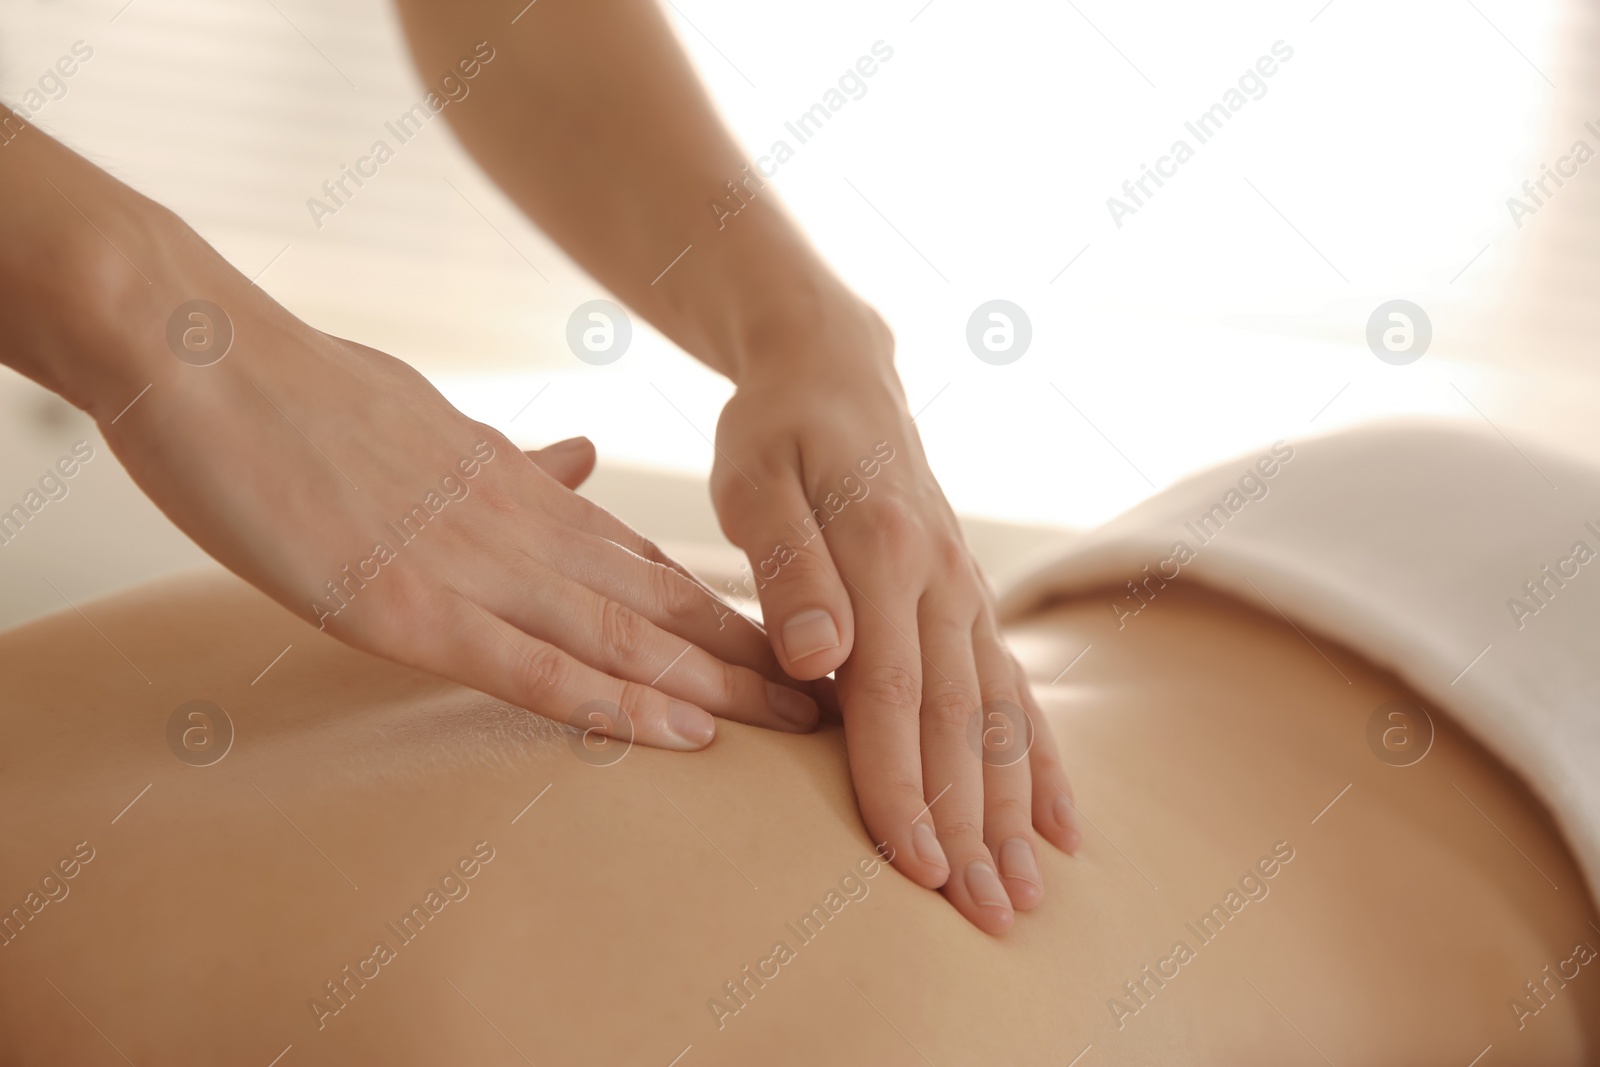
(1466, 564)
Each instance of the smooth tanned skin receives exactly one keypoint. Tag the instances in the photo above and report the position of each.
(618, 905)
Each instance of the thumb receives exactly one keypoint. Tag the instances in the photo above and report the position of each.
(569, 462)
(803, 601)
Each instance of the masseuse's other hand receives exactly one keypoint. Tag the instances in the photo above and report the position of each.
(937, 714)
(339, 481)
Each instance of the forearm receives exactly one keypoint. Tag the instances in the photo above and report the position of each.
(90, 270)
(592, 120)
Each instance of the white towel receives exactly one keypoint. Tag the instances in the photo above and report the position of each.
(1465, 563)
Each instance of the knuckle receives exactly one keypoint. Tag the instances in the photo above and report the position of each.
(961, 823)
(949, 553)
(406, 596)
(951, 706)
(500, 497)
(652, 552)
(902, 786)
(891, 799)
(895, 526)
(1003, 702)
(1007, 813)
(637, 702)
(622, 634)
(501, 486)
(403, 615)
(674, 595)
(890, 684)
(730, 494)
(1005, 734)
(794, 568)
(543, 666)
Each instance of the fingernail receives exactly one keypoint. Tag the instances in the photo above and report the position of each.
(795, 707)
(1018, 861)
(808, 633)
(689, 724)
(1067, 819)
(984, 886)
(926, 844)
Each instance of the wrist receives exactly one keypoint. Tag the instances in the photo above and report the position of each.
(87, 272)
(107, 308)
(153, 306)
(841, 338)
(760, 302)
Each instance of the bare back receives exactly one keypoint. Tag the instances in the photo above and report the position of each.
(384, 867)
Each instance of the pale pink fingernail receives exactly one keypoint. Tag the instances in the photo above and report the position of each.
(1018, 861)
(926, 844)
(689, 724)
(809, 632)
(984, 886)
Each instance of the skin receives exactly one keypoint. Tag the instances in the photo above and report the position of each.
(620, 902)
(910, 623)
(278, 462)
(285, 459)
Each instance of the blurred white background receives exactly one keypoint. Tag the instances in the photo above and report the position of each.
(1230, 310)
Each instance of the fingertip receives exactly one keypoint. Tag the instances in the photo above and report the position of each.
(1025, 896)
(922, 874)
(569, 462)
(1068, 835)
(1019, 870)
(991, 903)
(810, 643)
(997, 922)
(1063, 839)
(579, 443)
(935, 870)
(798, 712)
(688, 728)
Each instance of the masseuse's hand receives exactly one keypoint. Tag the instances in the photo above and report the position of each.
(888, 595)
(691, 235)
(339, 481)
